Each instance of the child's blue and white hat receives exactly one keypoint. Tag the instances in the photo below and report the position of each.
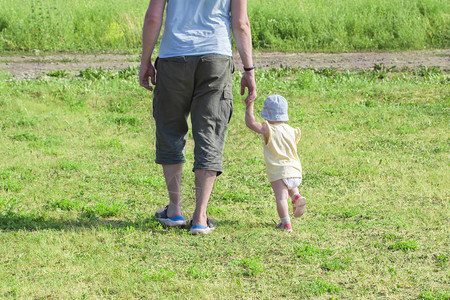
(275, 109)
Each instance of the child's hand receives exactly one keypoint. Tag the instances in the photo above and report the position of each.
(249, 101)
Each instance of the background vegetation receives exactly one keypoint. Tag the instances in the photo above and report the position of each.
(78, 188)
(78, 185)
(287, 25)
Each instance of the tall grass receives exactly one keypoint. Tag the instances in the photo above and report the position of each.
(71, 25)
(348, 25)
(78, 190)
(284, 25)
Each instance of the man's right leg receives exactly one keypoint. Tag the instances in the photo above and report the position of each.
(204, 184)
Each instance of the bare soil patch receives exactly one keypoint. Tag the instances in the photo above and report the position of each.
(28, 67)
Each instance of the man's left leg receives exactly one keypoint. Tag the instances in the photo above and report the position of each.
(171, 214)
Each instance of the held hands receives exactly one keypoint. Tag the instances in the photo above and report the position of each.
(147, 71)
(248, 81)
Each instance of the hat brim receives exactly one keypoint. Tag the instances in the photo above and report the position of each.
(274, 117)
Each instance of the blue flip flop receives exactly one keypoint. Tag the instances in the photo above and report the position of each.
(171, 222)
(200, 229)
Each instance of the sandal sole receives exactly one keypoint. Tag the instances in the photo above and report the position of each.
(299, 206)
(171, 223)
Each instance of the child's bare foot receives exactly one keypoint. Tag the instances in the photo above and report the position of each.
(299, 204)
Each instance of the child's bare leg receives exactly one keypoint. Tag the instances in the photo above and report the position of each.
(281, 196)
(293, 192)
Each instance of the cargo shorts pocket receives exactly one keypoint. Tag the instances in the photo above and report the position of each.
(155, 100)
(226, 102)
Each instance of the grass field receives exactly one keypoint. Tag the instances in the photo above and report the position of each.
(78, 189)
(286, 25)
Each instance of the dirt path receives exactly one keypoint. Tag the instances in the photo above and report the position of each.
(27, 67)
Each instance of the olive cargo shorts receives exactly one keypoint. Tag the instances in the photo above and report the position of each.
(200, 86)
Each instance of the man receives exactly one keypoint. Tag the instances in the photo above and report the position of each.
(193, 75)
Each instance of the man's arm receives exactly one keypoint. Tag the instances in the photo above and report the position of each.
(240, 26)
(150, 33)
(251, 123)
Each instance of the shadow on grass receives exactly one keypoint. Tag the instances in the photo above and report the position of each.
(11, 221)
(268, 224)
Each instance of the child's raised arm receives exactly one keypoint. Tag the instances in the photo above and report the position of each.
(251, 123)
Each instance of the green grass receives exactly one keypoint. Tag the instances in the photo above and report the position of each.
(78, 190)
(349, 25)
(287, 25)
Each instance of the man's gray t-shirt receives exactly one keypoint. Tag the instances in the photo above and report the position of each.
(196, 27)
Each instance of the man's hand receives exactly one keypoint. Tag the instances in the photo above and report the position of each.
(147, 71)
(248, 81)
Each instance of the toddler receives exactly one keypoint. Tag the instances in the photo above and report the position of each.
(284, 170)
